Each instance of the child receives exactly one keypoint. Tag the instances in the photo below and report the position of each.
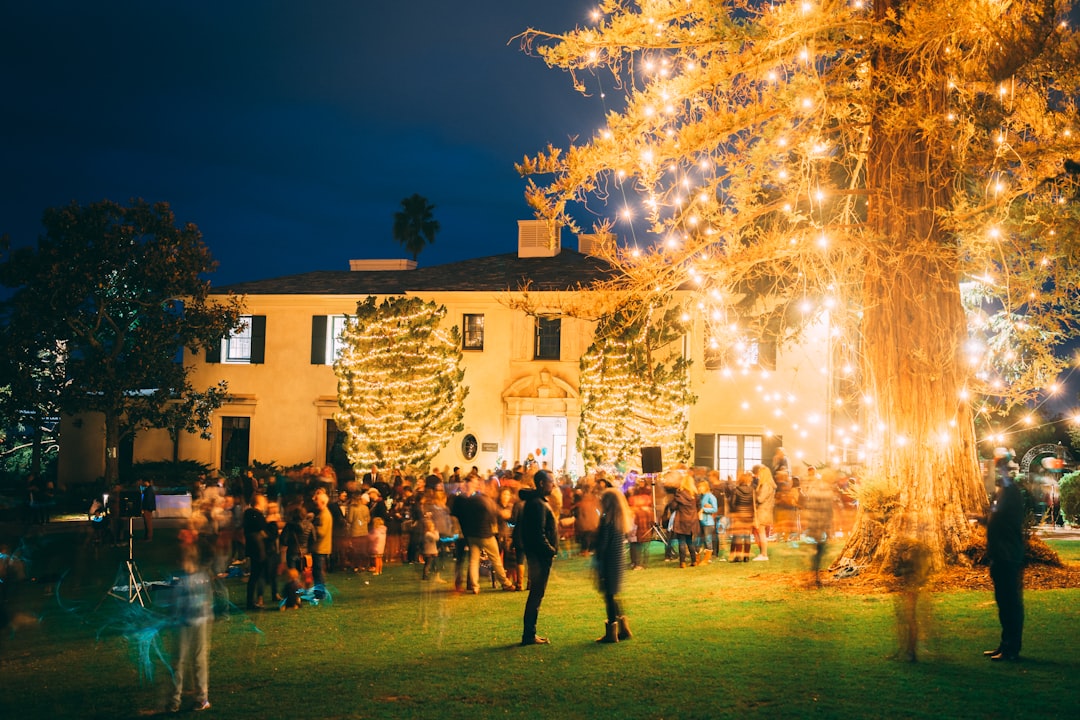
(377, 540)
(292, 591)
(430, 547)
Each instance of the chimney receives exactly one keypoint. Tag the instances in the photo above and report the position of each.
(538, 238)
(592, 244)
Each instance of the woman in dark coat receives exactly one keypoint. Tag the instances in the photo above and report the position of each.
(610, 553)
(686, 518)
(742, 518)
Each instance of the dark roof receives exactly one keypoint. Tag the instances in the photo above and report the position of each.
(568, 270)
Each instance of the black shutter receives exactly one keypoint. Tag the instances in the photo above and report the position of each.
(705, 451)
(258, 339)
(318, 339)
(213, 352)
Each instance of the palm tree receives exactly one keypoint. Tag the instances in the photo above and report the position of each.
(414, 226)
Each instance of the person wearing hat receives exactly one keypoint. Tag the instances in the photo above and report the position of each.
(540, 541)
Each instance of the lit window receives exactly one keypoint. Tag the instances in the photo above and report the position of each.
(472, 334)
(237, 347)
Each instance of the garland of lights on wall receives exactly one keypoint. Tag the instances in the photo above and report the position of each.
(400, 388)
(629, 399)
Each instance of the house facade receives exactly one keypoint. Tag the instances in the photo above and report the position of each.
(522, 370)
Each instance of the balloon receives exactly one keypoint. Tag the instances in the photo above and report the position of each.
(537, 451)
(543, 451)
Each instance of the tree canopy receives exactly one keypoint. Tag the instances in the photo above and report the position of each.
(415, 225)
(867, 160)
(103, 305)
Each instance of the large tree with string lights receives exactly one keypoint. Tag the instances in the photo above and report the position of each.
(869, 160)
(400, 391)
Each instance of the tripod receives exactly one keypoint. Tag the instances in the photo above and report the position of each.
(657, 529)
(135, 588)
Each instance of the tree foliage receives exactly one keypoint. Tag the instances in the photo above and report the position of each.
(635, 389)
(400, 388)
(101, 309)
(855, 158)
(415, 225)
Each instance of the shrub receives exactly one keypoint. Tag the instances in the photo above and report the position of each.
(1069, 493)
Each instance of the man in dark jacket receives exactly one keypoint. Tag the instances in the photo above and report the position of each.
(1005, 550)
(539, 536)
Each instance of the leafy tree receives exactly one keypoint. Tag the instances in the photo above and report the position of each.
(111, 294)
(415, 225)
(864, 158)
(399, 383)
(630, 396)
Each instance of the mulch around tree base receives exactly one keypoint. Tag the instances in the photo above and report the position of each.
(1036, 577)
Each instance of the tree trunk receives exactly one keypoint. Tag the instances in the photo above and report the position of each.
(923, 478)
(112, 448)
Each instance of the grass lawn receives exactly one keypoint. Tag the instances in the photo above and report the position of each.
(738, 641)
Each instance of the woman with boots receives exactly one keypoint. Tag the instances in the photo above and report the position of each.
(610, 553)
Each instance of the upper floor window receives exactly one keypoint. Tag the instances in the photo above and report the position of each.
(244, 345)
(472, 331)
(751, 354)
(548, 338)
(326, 343)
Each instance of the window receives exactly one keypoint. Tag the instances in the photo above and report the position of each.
(238, 344)
(244, 345)
(753, 354)
(235, 442)
(472, 334)
(548, 338)
(326, 341)
(728, 454)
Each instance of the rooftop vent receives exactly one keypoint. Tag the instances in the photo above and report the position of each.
(593, 243)
(538, 238)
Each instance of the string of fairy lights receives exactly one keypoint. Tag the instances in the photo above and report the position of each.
(400, 391)
(690, 205)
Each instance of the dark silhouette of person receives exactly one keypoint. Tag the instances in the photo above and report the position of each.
(1005, 551)
(540, 541)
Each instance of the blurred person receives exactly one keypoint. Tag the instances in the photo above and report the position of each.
(610, 548)
(193, 617)
(742, 517)
(256, 532)
(686, 518)
(586, 512)
(292, 593)
(356, 521)
(506, 506)
(147, 506)
(641, 509)
(322, 542)
(377, 544)
(911, 567)
(765, 507)
(539, 539)
(787, 508)
(817, 515)
(707, 515)
(482, 540)
(430, 549)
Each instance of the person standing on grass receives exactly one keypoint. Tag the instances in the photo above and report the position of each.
(148, 506)
(817, 514)
(765, 502)
(540, 541)
(686, 517)
(1005, 551)
(610, 552)
(322, 542)
(193, 615)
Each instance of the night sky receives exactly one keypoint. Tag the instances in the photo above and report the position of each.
(288, 132)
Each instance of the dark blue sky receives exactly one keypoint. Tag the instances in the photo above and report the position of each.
(288, 132)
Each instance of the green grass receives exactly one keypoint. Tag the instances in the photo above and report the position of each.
(738, 641)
